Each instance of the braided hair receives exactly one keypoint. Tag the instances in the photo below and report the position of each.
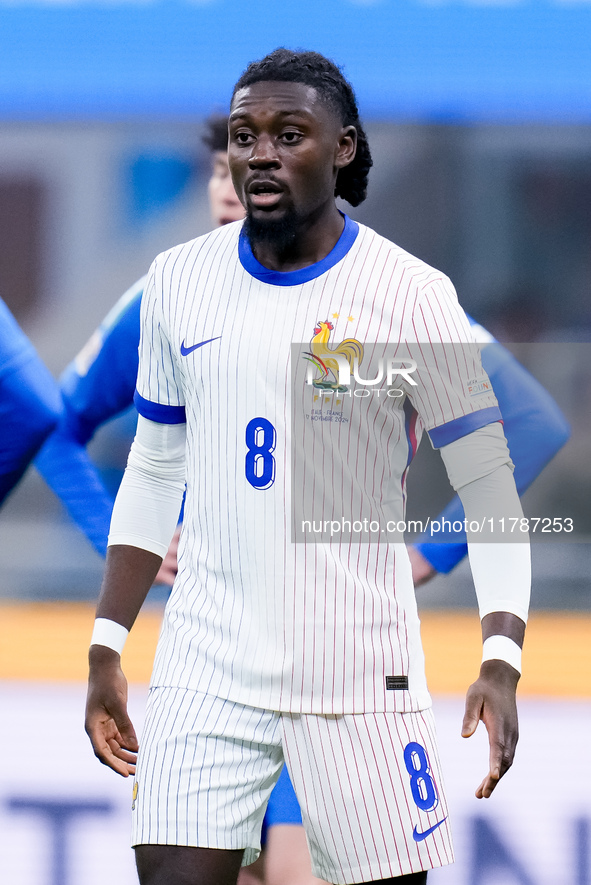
(333, 89)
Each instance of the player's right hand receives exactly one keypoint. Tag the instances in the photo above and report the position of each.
(107, 724)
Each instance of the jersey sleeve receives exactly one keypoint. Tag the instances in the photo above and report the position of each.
(535, 429)
(159, 395)
(149, 499)
(97, 385)
(100, 382)
(447, 385)
(67, 469)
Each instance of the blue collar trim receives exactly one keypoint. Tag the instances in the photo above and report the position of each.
(304, 274)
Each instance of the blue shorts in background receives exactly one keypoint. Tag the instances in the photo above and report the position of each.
(283, 807)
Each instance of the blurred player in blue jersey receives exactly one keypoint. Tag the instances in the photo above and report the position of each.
(100, 383)
(29, 402)
(535, 429)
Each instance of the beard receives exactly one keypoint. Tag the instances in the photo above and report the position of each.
(278, 233)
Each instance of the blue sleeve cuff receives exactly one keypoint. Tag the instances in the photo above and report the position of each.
(448, 433)
(158, 412)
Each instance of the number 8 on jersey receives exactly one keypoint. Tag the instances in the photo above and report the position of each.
(260, 443)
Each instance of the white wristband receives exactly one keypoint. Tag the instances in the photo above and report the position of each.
(501, 648)
(109, 633)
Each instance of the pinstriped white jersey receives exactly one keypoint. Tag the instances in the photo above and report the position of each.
(262, 613)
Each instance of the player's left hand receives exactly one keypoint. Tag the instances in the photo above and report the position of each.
(492, 699)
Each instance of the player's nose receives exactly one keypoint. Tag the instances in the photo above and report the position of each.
(264, 153)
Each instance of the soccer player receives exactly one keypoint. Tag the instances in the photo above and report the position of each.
(272, 649)
(29, 402)
(99, 384)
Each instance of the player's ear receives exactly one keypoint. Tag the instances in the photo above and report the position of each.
(346, 147)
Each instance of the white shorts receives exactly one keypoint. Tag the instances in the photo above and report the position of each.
(369, 785)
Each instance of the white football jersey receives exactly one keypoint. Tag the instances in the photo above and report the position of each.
(304, 394)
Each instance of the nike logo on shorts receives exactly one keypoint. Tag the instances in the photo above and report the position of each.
(418, 837)
(185, 351)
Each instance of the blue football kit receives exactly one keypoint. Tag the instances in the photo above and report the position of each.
(96, 386)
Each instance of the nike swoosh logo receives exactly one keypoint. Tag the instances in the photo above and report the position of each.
(418, 837)
(185, 351)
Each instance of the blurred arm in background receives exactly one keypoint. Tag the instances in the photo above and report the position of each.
(97, 386)
(30, 403)
(535, 429)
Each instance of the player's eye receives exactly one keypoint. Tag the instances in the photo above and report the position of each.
(243, 137)
(292, 137)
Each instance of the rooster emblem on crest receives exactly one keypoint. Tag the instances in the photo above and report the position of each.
(327, 359)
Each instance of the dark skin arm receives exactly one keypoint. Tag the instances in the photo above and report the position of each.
(129, 574)
(492, 699)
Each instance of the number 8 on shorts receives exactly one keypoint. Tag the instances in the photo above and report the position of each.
(422, 785)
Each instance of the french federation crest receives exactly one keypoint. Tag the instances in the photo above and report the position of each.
(333, 364)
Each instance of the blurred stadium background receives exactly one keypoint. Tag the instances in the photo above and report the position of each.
(479, 115)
